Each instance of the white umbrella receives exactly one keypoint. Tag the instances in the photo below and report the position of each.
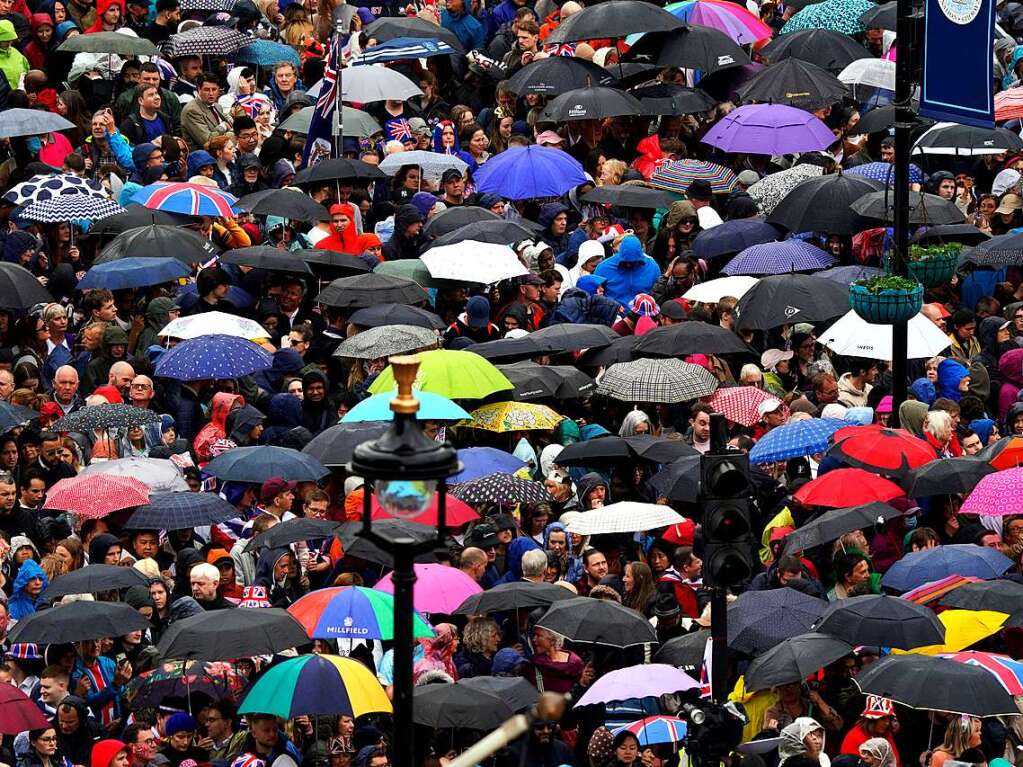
(624, 517)
(855, 337)
(712, 291)
(371, 83)
(471, 261)
(432, 164)
(869, 72)
(160, 474)
(220, 323)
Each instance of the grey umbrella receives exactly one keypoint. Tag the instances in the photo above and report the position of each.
(30, 122)
(109, 42)
(364, 84)
(159, 474)
(357, 123)
(386, 340)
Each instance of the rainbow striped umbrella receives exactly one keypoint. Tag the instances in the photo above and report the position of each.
(1007, 671)
(934, 590)
(731, 18)
(651, 730)
(677, 175)
(189, 199)
(1008, 104)
(351, 612)
(314, 685)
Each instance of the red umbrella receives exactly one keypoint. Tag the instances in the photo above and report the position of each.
(847, 487)
(879, 449)
(18, 713)
(739, 403)
(457, 513)
(92, 496)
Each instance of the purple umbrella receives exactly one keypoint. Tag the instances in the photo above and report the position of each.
(769, 129)
(778, 258)
(643, 681)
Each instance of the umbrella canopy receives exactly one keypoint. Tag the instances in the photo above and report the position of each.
(869, 73)
(431, 163)
(432, 407)
(891, 452)
(844, 487)
(330, 264)
(390, 313)
(439, 588)
(732, 19)
(481, 461)
(212, 357)
(833, 524)
(759, 620)
(946, 476)
(386, 342)
(32, 122)
(999, 596)
(932, 592)
(501, 489)
(672, 99)
(919, 567)
(661, 380)
(1001, 250)
(19, 289)
(181, 511)
(351, 612)
(732, 237)
(963, 628)
(133, 273)
(693, 47)
(829, 197)
(923, 208)
(651, 730)
(334, 446)
(105, 416)
(679, 480)
(790, 298)
(687, 650)
(847, 274)
(740, 404)
(794, 659)
(473, 261)
(93, 578)
(1007, 671)
(182, 679)
(643, 681)
(830, 50)
(779, 258)
(515, 691)
(403, 49)
(628, 195)
(712, 291)
(136, 216)
(794, 82)
(625, 517)
(837, 15)
(292, 531)
(190, 199)
(18, 712)
(557, 74)
(521, 173)
(458, 706)
(854, 336)
(288, 203)
(452, 219)
(504, 417)
(994, 494)
(214, 323)
(77, 622)
(879, 619)
(795, 440)
(357, 546)
(883, 173)
(591, 103)
(159, 474)
(265, 53)
(592, 452)
(204, 41)
(363, 290)
(967, 234)
(769, 129)
(882, 16)
(1008, 104)
(229, 634)
(450, 373)
(624, 17)
(772, 189)
(43, 187)
(560, 382)
(554, 339)
(339, 169)
(956, 139)
(389, 28)
(92, 496)
(158, 241)
(260, 463)
(67, 207)
(513, 596)
(676, 176)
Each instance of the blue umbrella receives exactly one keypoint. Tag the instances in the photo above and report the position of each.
(795, 440)
(844, 275)
(180, 511)
(403, 48)
(481, 461)
(266, 53)
(432, 407)
(258, 464)
(885, 172)
(963, 559)
(779, 258)
(213, 356)
(188, 296)
(133, 273)
(521, 173)
(733, 236)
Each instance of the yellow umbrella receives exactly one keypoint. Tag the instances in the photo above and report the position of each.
(963, 628)
(503, 417)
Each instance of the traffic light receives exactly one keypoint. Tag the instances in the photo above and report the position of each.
(724, 490)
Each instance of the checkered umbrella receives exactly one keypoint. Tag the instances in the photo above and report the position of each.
(649, 380)
(501, 488)
(180, 511)
(106, 416)
(43, 187)
(739, 403)
(205, 41)
(676, 176)
(779, 258)
(70, 207)
(92, 496)
(625, 517)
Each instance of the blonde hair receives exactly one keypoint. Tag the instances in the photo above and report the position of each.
(616, 169)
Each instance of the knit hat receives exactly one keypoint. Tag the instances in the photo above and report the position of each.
(138, 597)
(104, 751)
(423, 202)
(180, 722)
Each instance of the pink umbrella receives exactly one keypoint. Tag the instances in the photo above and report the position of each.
(439, 588)
(996, 494)
(92, 496)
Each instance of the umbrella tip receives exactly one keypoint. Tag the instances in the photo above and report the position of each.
(405, 368)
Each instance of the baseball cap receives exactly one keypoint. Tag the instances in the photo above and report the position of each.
(451, 174)
(352, 484)
(549, 137)
(274, 487)
(673, 309)
(768, 406)
(418, 125)
(532, 279)
(478, 312)
(1010, 203)
(770, 358)
(482, 536)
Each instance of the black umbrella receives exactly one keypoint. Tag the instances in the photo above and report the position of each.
(356, 546)
(334, 446)
(105, 416)
(958, 139)
(287, 203)
(458, 706)
(689, 338)
(594, 103)
(77, 622)
(937, 684)
(794, 659)
(616, 18)
(19, 289)
(684, 651)
(507, 348)
(371, 289)
(679, 480)
(613, 448)
(822, 204)
(455, 218)
(557, 74)
(882, 119)
(396, 314)
(790, 298)
(515, 691)
(733, 236)
(794, 82)
(159, 241)
(181, 511)
(759, 620)
(923, 208)
(882, 16)
(630, 196)
(880, 619)
(1001, 250)
(946, 476)
(513, 596)
(499, 232)
(599, 621)
(389, 28)
(1001, 596)
(826, 48)
(135, 216)
(672, 99)
(292, 531)
(554, 339)
(338, 169)
(619, 350)
(967, 234)
(501, 489)
(93, 578)
(833, 524)
(692, 47)
(227, 634)
(332, 263)
(265, 257)
(561, 382)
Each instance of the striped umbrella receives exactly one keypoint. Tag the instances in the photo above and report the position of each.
(837, 15)
(92, 496)
(1008, 106)
(779, 258)
(676, 176)
(351, 612)
(739, 404)
(651, 730)
(932, 591)
(70, 207)
(189, 199)
(1007, 671)
(402, 49)
(731, 18)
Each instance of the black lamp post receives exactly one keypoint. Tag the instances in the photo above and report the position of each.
(404, 469)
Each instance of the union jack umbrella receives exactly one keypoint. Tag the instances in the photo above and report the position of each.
(71, 207)
(189, 199)
(651, 730)
(1007, 671)
(92, 496)
(739, 404)
(676, 176)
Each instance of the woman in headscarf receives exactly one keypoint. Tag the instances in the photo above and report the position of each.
(804, 737)
(911, 416)
(877, 752)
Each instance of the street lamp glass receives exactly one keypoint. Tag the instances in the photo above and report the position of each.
(405, 499)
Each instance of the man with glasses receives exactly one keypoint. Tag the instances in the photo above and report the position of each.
(142, 744)
(540, 748)
(53, 468)
(141, 392)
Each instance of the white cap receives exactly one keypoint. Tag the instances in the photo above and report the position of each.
(590, 249)
(768, 406)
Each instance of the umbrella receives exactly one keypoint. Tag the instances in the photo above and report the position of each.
(365, 84)
(161, 475)
(830, 50)
(501, 489)
(553, 339)
(1007, 671)
(844, 275)
(43, 187)
(314, 685)
(521, 173)
(693, 47)
(732, 237)
(450, 373)
(557, 74)
(412, 269)
(1001, 596)
(432, 407)
(794, 82)
(955, 139)
(355, 545)
(159, 241)
(266, 257)
(933, 591)
(882, 16)
(795, 440)
(619, 350)
(497, 232)
(258, 464)
(442, 706)
(794, 659)
(356, 124)
(854, 336)
(677, 175)
(628, 195)
(964, 559)
(778, 258)
(332, 264)
(946, 476)
(515, 691)
(837, 15)
(351, 612)
(181, 511)
(651, 730)
(772, 189)
(364, 290)
(133, 273)
(386, 342)
(513, 596)
(625, 517)
(560, 382)
(292, 531)
(18, 712)
(389, 313)
(591, 103)
(621, 16)
(91, 496)
(1001, 250)
(672, 99)
(439, 588)
(19, 288)
(869, 73)
(105, 416)
(287, 203)
(732, 19)
(963, 628)
(77, 622)
(891, 452)
(829, 198)
(687, 650)
(481, 461)
(93, 578)
(1008, 105)
(614, 449)
(1005, 453)
(938, 684)
(214, 323)
(333, 446)
(453, 219)
(229, 634)
(967, 234)
(879, 619)
(759, 620)
(212, 357)
(679, 480)
(403, 49)
(661, 380)
(205, 41)
(923, 208)
(190, 199)
(786, 299)
(883, 173)
(846, 487)
(182, 679)
(740, 404)
(338, 169)
(471, 261)
(135, 216)
(504, 417)
(31, 122)
(266, 53)
(15, 415)
(66, 207)
(643, 681)
(456, 514)
(833, 524)
(385, 29)
(712, 291)
(769, 129)
(432, 164)
(993, 497)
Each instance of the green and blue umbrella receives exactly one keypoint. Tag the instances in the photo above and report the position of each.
(432, 407)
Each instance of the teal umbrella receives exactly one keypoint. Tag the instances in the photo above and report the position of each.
(432, 407)
(837, 15)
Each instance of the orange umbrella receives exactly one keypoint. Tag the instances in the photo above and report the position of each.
(1006, 453)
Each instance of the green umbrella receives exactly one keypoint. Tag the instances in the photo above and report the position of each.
(409, 268)
(452, 374)
(109, 42)
(837, 15)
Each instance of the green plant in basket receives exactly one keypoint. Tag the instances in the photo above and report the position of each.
(882, 282)
(928, 252)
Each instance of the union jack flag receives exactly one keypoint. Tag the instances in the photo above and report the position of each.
(706, 669)
(318, 142)
(399, 130)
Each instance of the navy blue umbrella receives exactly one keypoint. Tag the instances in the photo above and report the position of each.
(729, 238)
(180, 511)
(188, 297)
(258, 464)
(779, 258)
(133, 273)
(759, 620)
(213, 357)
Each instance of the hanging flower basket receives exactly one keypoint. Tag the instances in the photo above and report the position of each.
(934, 265)
(886, 300)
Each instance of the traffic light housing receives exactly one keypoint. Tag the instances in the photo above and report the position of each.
(727, 529)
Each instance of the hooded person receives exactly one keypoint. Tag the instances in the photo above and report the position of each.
(157, 316)
(345, 240)
(1013, 419)
(38, 49)
(198, 160)
(102, 6)
(244, 425)
(804, 737)
(950, 375)
(272, 572)
(220, 408)
(286, 362)
(1010, 368)
(28, 585)
(98, 371)
(984, 428)
(513, 558)
(283, 415)
(76, 745)
(629, 272)
(317, 414)
(408, 240)
(100, 546)
(548, 212)
(911, 416)
(587, 488)
(20, 243)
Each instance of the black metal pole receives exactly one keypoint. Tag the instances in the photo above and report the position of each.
(718, 597)
(404, 578)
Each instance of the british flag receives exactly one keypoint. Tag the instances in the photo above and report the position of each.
(318, 142)
(398, 129)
